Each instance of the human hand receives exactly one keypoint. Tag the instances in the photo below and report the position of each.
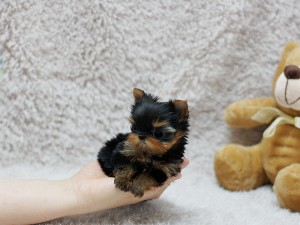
(95, 191)
(90, 190)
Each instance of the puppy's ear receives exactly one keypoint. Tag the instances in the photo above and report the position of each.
(138, 94)
(182, 109)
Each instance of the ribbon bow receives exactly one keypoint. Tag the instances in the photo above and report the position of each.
(267, 114)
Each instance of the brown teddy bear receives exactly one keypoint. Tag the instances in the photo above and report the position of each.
(276, 159)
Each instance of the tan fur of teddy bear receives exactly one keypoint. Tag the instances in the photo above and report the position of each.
(275, 159)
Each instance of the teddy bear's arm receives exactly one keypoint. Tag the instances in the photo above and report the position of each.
(239, 114)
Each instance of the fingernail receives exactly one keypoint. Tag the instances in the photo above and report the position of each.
(184, 163)
(178, 176)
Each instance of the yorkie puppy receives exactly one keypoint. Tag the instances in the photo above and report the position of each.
(153, 151)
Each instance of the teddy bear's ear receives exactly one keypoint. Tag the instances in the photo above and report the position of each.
(138, 94)
(182, 109)
(288, 48)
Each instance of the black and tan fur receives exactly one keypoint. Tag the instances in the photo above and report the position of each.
(153, 150)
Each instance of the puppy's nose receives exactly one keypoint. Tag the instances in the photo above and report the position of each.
(142, 137)
(292, 72)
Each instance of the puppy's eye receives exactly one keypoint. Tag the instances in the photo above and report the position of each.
(158, 134)
(133, 128)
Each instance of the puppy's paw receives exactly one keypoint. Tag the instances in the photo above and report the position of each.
(175, 172)
(123, 185)
(123, 178)
(137, 192)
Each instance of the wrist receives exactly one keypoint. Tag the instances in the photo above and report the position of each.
(97, 195)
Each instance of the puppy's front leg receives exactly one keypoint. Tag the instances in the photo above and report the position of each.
(142, 183)
(123, 177)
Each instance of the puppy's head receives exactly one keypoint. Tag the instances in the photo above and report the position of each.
(157, 126)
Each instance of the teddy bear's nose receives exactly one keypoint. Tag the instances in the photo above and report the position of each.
(292, 72)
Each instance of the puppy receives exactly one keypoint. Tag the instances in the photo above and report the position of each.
(153, 150)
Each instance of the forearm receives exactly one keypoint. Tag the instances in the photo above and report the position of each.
(100, 194)
(239, 114)
(90, 190)
(33, 201)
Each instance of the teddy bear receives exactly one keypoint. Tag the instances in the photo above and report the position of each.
(276, 159)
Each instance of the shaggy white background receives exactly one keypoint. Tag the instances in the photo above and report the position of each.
(70, 67)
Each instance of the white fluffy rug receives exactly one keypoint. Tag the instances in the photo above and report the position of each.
(70, 67)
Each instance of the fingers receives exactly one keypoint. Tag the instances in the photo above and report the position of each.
(172, 179)
(157, 192)
(184, 163)
(179, 175)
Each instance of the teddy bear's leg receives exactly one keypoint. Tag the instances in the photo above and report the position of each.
(287, 187)
(240, 168)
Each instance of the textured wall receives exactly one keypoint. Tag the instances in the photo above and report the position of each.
(70, 67)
